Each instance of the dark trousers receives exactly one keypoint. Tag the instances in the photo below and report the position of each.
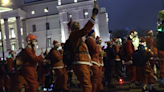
(109, 70)
(118, 67)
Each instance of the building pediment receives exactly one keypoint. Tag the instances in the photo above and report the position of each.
(13, 13)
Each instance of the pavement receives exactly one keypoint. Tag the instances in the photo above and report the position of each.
(120, 87)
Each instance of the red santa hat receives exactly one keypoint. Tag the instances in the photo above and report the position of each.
(70, 24)
(55, 43)
(149, 32)
(133, 33)
(62, 44)
(98, 38)
(115, 40)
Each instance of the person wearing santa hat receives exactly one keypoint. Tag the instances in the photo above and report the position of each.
(109, 63)
(101, 63)
(151, 44)
(127, 50)
(60, 71)
(145, 73)
(149, 39)
(139, 72)
(94, 51)
(81, 64)
(10, 68)
(30, 61)
(135, 40)
(2, 75)
(117, 59)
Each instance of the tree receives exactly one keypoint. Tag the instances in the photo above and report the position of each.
(141, 32)
(119, 33)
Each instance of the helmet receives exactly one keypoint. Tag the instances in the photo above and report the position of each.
(141, 47)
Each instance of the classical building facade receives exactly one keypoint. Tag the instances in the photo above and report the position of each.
(47, 20)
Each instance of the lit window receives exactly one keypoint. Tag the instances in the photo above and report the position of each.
(59, 2)
(49, 42)
(46, 9)
(75, 1)
(13, 46)
(69, 15)
(32, 12)
(22, 31)
(12, 33)
(85, 13)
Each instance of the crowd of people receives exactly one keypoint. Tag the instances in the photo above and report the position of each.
(95, 66)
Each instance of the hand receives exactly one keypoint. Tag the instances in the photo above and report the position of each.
(95, 10)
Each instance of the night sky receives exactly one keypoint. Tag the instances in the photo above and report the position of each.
(132, 13)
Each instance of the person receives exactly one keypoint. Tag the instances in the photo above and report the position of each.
(149, 39)
(81, 64)
(117, 59)
(109, 63)
(94, 51)
(100, 87)
(10, 69)
(150, 44)
(30, 61)
(2, 75)
(135, 40)
(146, 70)
(127, 50)
(60, 71)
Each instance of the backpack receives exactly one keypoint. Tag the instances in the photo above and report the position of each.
(139, 58)
(18, 62)
(48, 57)
(68, 53)
(160, 38)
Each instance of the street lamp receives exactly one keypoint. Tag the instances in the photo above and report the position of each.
(5, 2)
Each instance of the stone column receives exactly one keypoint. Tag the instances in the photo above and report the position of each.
(7, 34)
(19, 32)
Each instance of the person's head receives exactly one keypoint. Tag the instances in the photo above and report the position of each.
(115, 40)
(91, 34)
(32, 42)
(142, 41)
(98, 40)
(133, 34)
(149, 33)
(73, 25)
(12, 54)
(141, 47)
(56, 44)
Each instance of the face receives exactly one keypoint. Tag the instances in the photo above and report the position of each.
(76, 25)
